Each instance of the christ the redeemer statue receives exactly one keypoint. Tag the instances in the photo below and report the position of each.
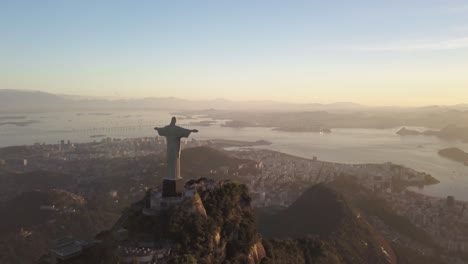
(173, 184)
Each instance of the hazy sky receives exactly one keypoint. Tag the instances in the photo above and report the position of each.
(394, 52)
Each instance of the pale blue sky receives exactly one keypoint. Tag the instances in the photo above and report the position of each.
(371, 52)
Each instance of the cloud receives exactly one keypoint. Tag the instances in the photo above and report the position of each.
(441, 45)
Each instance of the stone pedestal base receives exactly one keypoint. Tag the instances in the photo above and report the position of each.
(172, 188)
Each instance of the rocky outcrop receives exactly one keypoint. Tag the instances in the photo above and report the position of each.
(257, 253)
(216, 225)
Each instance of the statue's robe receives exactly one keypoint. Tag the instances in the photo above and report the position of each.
(173, 135)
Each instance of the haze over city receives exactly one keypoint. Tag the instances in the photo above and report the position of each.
(234, 132)
(369, 52)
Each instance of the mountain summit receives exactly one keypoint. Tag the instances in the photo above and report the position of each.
(216, 224)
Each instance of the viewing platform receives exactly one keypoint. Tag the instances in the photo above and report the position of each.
(157, 202)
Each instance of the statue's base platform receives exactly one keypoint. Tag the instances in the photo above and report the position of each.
(157, 201)
(173, 188)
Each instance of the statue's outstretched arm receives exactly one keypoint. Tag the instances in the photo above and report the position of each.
(186, 132)
(160, 130)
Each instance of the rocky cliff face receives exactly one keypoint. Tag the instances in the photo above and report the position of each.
(216, 225)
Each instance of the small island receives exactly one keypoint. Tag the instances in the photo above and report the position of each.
(455, 154)
(204, 123)
(408, 132)
(320, 130)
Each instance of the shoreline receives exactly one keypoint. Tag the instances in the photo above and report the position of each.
(444, 188)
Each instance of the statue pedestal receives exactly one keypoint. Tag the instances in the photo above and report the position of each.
(172, 188)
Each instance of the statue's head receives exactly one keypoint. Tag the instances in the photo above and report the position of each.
(173, 121)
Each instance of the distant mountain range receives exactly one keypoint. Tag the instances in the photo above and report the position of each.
(22, 100)
(31, 101)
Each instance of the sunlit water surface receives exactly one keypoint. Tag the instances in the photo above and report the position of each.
(342, 145)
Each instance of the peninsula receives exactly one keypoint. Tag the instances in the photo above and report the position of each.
(448, 132)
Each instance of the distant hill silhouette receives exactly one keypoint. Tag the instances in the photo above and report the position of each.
(318, 211)
(448, 132)
(17, 100)
(28, 100)
(322, 212)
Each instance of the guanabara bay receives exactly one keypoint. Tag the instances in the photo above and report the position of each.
(233, 132)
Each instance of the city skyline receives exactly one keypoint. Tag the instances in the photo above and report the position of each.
(372, 53)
